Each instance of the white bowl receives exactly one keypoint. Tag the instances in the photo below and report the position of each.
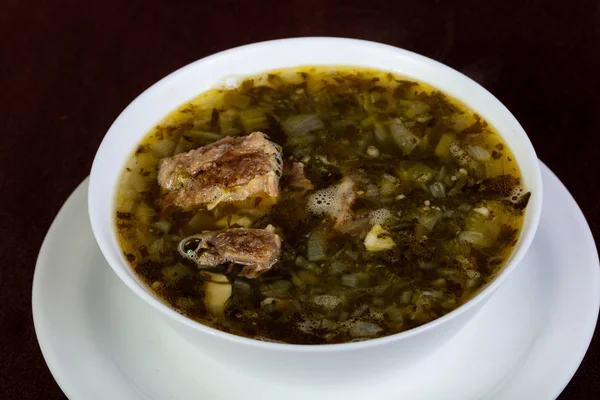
(314, 362)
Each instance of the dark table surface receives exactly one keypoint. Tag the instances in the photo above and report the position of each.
(69, 68)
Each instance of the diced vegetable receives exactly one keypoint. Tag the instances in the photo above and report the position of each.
(403, 137)
(475, 238)
(418, 174)
(185, 302)
(157, 249)
(388, 185)
(479, 153)
(203, 136)
(416, 109)
(442, 150)
(235, 221)
(216, 296)
(429, 218)
(242, 286)
(254, 120)
(327, 301)
(301, 277)
(364, 329)
(406, 296)
(163, 148)
(355, 280)
(175, 272)
(162, 226)
(381, 133)
(212, 277)
(145, 213)
(279, 288)
(437, 190)
(202, 220)
(302, 124)
(315, 248)
(227, 123)
(373, 151)
(339, 266)
(494, 168)
(237, 100)
(461, 121)
(378, 239)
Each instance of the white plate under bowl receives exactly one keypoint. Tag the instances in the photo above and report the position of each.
(102, 342)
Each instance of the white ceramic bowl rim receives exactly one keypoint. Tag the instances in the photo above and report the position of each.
(103, 223)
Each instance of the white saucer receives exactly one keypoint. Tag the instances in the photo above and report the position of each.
(101, 342)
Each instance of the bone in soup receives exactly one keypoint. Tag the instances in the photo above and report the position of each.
(319, 205)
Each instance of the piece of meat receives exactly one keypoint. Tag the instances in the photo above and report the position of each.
(257, 249)
(297, 179)
(231, 169)
(346, 197)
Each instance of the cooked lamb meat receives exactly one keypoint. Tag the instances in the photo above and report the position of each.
(297, 178)
(257, 249)
(231, 169)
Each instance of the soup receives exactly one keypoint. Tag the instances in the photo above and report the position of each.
(319, 205)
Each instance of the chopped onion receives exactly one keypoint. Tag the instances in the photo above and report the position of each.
(414, 108)
(443, 172)
(242, 286)
(406, 296)
(227, 122)
(472, 274)
(163, 148)
(395, 314)
(162, 225)
(404, 138)
(315, 250)
(437, 190)
(327, 301)
(302, 124)
(479, 153)
(475, 238)
(145, 213)
(157, 248)
(138, 182)
(353, 280)
(360, 310)
(339, 266)
(254, 119)
(276, 289)
(429, 218)
(363, 328)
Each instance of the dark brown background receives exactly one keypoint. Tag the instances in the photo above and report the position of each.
(68, 68)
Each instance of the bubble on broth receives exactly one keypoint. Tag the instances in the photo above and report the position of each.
(379, 216)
